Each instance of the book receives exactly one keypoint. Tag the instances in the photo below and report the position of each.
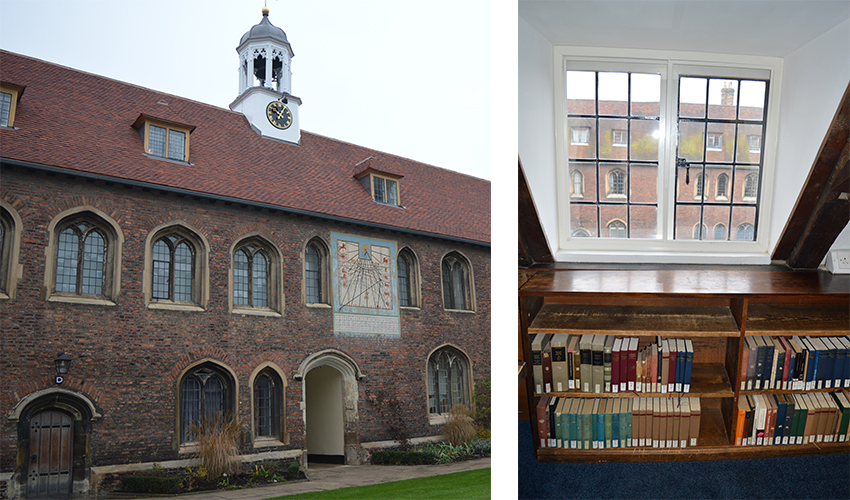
(632, 362)
(542, 421)
(560, 377)
(779, 426)
(570, 368)
(656, 423)
(586, 349)
(831, 354)
(674, 355)
(665, 366)
(575, 381)
(741, 419)
(553, 403)
(774, 362)
(615, 365)
(689, 364)
(695, 419)
(685, 423)
(789, 418)
(653, 368)
(753, 362)
(597, 346)
(575, 423)
(681, 362)
(615, 422)
(843, 404)
(742, 369)
(609, 423)
(587, 424)
(625, 423)
(639, 372)
(606, 362)
(559, 424)
(786, 364)
(811, 368)
(598, 424)
(778, 363)
(761, 353)
(546, 361)
(840, 357)
(537, 362)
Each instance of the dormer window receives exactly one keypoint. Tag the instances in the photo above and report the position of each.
(383, 186)
(164, 139)
(10, 94)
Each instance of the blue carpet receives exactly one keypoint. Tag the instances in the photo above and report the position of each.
(819, 477)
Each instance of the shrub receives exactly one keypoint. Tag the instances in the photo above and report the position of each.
(446, 452)
(480, 446)
(217, 437)
(397, 457)
(293, 471)
(481, 398)
(151, 484)
(458, 427)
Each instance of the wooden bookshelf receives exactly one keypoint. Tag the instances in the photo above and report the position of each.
(716, 307)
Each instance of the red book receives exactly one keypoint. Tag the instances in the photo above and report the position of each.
(632, 363)
(543, 421)
(671, 382)
(546, 359)
(624, 365)
(785, 376)
(615, 365)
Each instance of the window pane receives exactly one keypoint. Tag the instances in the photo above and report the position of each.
(644, 140)
(749, 143)
(582, 137)
(688, 183)
(213, 396)
(190, 405)
(5, 108)
(183, 273)
(691, 140)
(613, 94)
(614, 219)
(646, 94)
(240, 278)
(643, 178)
(586, 187)
(94, 257)
(722, 98)
(156, 140)
(261, 281)
(67, 259)
(720, 142)
(161, 261)
(607, 130)
(687, 217)
(263, 399)
(312, 265)
(448, 303)
(379, 189)
(432, 386)
(458, 287)
(392, 192)
(443, 388)
(716, 218)
(643, 221)
(176, 145)
(403, 282)
(692, 95)
(584, 221)
(753, 95)
(581, 92)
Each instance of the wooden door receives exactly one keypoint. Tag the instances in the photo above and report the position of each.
(51, 446)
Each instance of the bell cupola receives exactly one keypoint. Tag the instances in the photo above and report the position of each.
(265, 82)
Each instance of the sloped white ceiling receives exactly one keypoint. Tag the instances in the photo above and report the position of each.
(753, 27)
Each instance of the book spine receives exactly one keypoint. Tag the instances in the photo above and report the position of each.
(615, 366)
(546, 357)
(559, 368)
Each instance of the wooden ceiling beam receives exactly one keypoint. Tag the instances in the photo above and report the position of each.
(822, 209)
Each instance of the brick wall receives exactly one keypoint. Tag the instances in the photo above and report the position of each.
(126, 357)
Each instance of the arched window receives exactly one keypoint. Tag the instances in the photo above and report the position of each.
(7, 254)
(745, 232)
(578, 184)
(617, 229)
(256, 276)
(86, 247)
(751, 186)
(205, 391)
(315, 272)
(268, 404)
(173, 261)
(720, 232)
(448, 380)
(457, 282)
(700, 186)
(617, 183)
(722, 186)
(581, 233)
(700, 235)
(408, 283)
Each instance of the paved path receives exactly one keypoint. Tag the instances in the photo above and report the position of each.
(330, 477)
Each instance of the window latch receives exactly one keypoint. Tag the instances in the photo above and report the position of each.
(681, 162)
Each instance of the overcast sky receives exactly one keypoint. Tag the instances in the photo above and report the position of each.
(407, 78)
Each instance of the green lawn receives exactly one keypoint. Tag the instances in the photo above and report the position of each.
(469, 485)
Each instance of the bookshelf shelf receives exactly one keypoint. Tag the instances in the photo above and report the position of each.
(716, 307)
(636, 320)
(707, 380)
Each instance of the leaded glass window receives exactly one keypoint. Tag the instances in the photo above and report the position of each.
(81, 259)
(173, 262)
(203, 393)
(448, 381)
(263, 400)
(5, 108)
(314, 273)
(250, 277)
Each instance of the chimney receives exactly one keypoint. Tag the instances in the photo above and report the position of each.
(727, 95)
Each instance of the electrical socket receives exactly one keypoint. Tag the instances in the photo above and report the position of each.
(838, 261)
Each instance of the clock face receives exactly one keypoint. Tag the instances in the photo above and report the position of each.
(279, 115)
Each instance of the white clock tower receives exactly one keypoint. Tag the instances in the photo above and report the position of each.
(265, 82)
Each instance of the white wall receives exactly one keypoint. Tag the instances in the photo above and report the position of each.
(816, 76)
(536, 124)
(324, 411)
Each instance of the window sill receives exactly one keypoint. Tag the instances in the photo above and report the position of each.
(635, 257)
(269, 313)
(318, 305)
(467, 311)
(437, 419)
(76, 299)
(267, 442)
(188, 449)
(175, 307)
(406, 308)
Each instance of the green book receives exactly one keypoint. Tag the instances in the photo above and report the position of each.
(844, 406)
(599, 427)
(615, 423)
(575, 435)
(609, 406)
(587, 424)
(558, 429)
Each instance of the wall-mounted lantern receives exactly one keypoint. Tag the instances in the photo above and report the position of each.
(63, 364)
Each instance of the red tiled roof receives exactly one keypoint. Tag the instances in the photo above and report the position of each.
(81, 122)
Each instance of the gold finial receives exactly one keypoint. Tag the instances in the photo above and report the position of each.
(265, 11)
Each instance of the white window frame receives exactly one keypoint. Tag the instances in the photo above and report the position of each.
(669, 64)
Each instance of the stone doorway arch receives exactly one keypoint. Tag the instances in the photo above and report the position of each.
(331, 369)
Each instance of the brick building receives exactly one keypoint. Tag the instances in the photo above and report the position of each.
(193, 260)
